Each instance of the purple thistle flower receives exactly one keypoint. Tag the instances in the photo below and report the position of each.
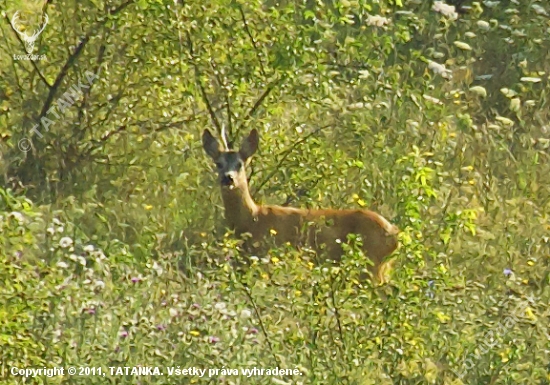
(213, 339)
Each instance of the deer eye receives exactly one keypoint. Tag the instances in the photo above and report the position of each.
(218, 165)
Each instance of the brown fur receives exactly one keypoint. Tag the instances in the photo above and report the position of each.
(287, 224)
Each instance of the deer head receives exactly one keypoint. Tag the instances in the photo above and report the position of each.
(27, 39)
(230, 163)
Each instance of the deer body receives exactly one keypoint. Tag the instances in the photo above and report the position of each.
(323, 229)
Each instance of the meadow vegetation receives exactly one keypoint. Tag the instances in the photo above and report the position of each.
(113, 250)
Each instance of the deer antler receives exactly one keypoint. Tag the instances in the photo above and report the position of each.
(14, 21)
(28, 40)
(46, 19)
(223, 135)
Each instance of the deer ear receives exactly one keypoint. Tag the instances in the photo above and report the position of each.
(250, 145)
(210, 144)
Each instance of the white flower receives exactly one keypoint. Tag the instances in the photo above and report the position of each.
(445, 9)
(432, 99)
(65, 242)
(482, 24)
(220, 306)
(98, 254)
(157, 268)
(17, 216)
(377, 21)
(88, 248)
(173, 312)
(439, 69)
(56, 335)
(50, 230)
(245, 313)
(539, 10)
(99, 284)
(64, 284)
(62, 265)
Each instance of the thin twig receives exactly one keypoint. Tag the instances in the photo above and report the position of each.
(252, 40)
(113, 103)
(337, 315)
(163, 126)
(72, 58)
(19, 88)
(258, 103)
(260, 321)
(201, 87)
(286, 153)
(87, 92)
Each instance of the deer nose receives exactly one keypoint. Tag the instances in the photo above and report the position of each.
(227, 180)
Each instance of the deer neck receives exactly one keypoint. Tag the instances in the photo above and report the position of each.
(240, 209)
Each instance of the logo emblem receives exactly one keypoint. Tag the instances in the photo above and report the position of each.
(27, 39)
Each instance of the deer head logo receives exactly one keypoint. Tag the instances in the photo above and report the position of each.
(27, 39)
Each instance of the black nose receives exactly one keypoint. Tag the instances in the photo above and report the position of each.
(227, 180)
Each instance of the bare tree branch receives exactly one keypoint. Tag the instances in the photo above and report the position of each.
(74, 56)
(98, 143)
(201, 87)
(258, 103)
(252, 40)
(286, 153)
(87, 92)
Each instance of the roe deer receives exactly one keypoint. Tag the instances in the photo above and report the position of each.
(287, 224)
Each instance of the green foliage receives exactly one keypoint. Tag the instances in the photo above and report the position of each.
(438, 123)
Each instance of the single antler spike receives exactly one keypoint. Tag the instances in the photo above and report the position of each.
(224, 138)
(46, 19)
(14, 20)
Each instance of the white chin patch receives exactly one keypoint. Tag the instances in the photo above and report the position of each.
(232, 187)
